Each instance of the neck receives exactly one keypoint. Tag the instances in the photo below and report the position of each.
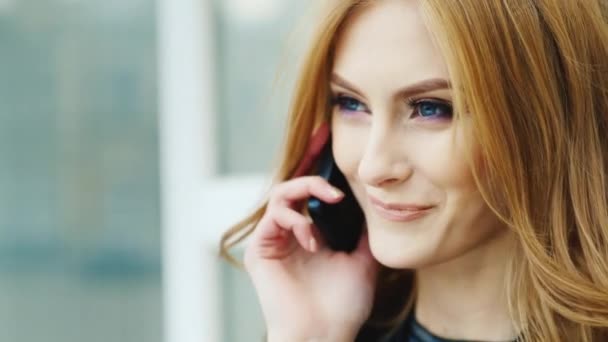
(465, 298)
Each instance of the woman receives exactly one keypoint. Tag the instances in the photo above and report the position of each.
(473, 136)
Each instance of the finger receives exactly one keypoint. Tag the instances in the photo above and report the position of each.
(319, 241)
(282, 224)
(301, 188)
(300, 226)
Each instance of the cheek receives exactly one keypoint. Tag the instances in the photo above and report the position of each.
(441, 159)
(348, 144)
(438, 158)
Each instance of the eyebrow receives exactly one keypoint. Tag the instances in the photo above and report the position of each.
(424, 86)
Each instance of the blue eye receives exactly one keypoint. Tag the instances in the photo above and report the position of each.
(349, 104)
(431, 109)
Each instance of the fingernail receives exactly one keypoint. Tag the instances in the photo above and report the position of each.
(335, 193)
(312, 244)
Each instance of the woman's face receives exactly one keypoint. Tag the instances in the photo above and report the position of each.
(393, 140)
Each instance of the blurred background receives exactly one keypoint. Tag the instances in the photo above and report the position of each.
(132, 134)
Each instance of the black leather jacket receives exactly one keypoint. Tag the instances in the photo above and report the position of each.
(409, 331)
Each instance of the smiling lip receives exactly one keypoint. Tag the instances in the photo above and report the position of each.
(399, 212)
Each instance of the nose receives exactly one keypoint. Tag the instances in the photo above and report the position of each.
(384, 161)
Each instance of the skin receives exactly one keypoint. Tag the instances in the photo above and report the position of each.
(400, 152)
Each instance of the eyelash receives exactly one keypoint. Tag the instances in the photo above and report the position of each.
(340, 99)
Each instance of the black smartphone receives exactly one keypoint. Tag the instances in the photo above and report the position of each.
(340, 224)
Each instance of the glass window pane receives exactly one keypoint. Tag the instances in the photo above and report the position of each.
(79, 193)
(243, 320)
(253, 38)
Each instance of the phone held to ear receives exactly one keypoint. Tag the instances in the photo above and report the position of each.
(340, 224)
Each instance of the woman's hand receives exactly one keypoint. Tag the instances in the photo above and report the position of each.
(306, 290)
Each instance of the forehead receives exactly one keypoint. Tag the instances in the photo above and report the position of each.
(388, 41)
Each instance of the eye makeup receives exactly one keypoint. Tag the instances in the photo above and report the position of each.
(348, 104)
(430, 108)
(421, 108)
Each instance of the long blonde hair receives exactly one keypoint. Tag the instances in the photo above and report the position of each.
(533, 77)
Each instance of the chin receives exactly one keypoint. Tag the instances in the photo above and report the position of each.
(398, 254)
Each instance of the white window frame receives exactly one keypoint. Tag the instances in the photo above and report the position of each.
(197, 205)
